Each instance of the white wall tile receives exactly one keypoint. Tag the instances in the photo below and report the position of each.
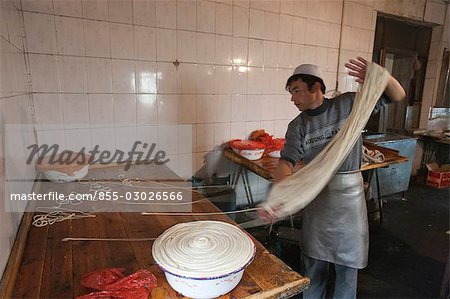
(224, 19)
(95, 9)
(270, 53)
(166, 14)
(120, 11)
(122, 41)
(358, 15)
(334, 33)
(435, 12)
(144, 43)
(238, 130)
(166, 78)
(221, 133)
(125, 138)
(205, 109)
(44, 73)
(242, 3)
(287, 7)
(96, 37)
(256, 24)
(205, 48)
(186, 15)
(239, 80)
(124, 109)
(253, 108)
(187, 112)
(205, 16)
(268, 107)
(187, 46)
(356, 39)
(297, 55)
(271, 26)
(146, 77)
(45, 6)
(239, 51)
(52, 137)
(166, 44)
(298, 31)
(104, 138)
(167, 109)
(285, 28)
(69, 33)
(222, 79)
(273, 5)
(255, 52)
(205, 137)
(254, 80)
(147, 109)
(168, 141)
(257, 4)
(99, 75)
(101, 110)
(123, 76)
(331, 11)
(144, 12)
(148, 134)
(68, 8)
(40, 32)
(222, 108)
(73, 74)
(223, 48)
(205, 79)
(241, 17)
(284, 55)
(75, 111)
(48, 110)
(301, 8)
(238, 111)
(187, 78)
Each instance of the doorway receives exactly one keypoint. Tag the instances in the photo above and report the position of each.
(402, 48)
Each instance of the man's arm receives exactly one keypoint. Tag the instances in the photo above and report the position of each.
(283, 170)
(358, 70)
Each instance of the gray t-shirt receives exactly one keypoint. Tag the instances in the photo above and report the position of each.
(311, 131)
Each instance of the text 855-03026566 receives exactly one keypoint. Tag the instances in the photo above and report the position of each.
(140, 195)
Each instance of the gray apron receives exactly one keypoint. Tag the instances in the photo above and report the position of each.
(335, 227)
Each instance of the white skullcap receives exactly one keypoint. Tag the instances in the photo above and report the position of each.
(308, 69)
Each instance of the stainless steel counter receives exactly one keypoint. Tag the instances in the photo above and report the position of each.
(395, 178)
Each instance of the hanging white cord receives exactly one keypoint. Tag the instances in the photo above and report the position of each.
(200, 214)
(109, 239)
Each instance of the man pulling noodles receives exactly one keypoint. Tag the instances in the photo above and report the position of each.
(335, 227)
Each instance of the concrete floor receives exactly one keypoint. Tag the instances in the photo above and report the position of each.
(408, 251)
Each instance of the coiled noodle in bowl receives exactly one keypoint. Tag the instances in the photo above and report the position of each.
(203, 259)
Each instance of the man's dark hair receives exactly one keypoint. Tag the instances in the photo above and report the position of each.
(308, 79)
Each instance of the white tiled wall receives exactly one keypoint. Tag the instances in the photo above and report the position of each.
(108, 66)
(15, 109)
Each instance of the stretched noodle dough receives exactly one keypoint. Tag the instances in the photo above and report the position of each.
(297, 191)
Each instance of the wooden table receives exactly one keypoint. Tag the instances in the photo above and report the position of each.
(266, 166)
(42, 266)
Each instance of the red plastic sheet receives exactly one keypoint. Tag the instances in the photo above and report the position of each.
(135, 286)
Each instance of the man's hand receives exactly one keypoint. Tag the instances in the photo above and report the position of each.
(357, 69)
(268, 216)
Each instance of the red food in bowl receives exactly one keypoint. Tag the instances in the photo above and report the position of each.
(247, 144)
